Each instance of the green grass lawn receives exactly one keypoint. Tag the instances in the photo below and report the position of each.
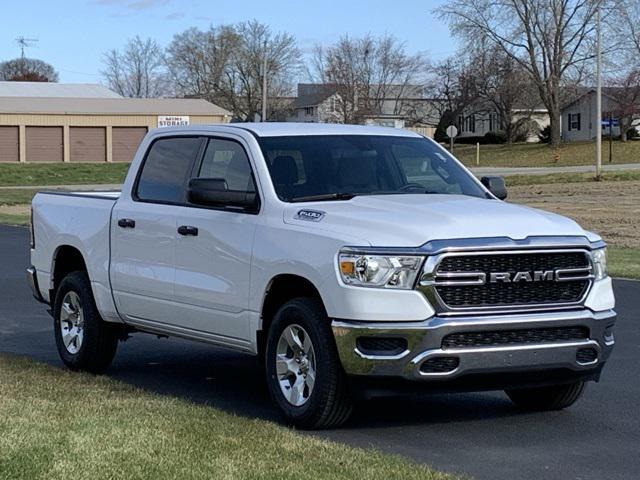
(623, 262)
(62, 174)
(541, 155)
(56, 424)
(13, 219)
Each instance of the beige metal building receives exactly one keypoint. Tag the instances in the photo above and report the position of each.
(85, 129)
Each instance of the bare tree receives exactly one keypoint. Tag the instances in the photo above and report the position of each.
(547, 38)
(453, 89)
(137, 71)
(370, 75)
(27, 70)
(624, 67)
(224, 65)
(505, 87)
(626, 96)
(198, 61)
(244, 79)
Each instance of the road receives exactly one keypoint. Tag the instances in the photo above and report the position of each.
(480, 435)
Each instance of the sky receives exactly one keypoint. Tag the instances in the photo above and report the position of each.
(73, 35)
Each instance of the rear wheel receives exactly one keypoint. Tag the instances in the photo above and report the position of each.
(304, 374)
(84, 340)
(554, 397)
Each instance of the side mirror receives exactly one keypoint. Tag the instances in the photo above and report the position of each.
(496, 186)
(213, 192)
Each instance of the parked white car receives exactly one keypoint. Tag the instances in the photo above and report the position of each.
(341, 255)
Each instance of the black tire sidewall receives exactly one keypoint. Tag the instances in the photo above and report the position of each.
(93, 328)
(310, 316)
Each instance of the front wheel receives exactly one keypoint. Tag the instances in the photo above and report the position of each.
(554, 397)
(304, 374)
(84, 340)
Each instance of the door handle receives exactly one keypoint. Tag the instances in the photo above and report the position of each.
(188, 230)
(126, 223)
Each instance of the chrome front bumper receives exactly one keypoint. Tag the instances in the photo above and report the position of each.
(424, 341)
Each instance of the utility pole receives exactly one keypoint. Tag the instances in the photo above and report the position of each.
(264, 82)
(598, 99)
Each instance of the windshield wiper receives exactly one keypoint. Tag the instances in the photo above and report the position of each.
(324, 197)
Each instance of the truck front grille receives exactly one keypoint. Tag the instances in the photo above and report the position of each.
(514, 337)
(512, 279)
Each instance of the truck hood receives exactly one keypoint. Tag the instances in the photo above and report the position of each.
(412, 220)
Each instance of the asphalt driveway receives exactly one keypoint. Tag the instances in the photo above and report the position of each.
(480, 435)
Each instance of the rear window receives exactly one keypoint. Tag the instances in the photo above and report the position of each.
(167, 169)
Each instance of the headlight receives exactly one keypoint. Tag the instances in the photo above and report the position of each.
(380, 271)
(599, 258)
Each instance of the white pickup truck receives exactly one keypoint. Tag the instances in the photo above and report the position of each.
(343, 256)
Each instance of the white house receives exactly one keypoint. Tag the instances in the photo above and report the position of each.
(578, 116)
(402, 106)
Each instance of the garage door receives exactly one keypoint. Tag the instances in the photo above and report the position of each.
(9, 150)
(87, 144)
(44, 144)
(126, 141)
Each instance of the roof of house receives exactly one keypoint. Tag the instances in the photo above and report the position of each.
(609, 92)
(49, 89)
(109, 106)
(314, 96)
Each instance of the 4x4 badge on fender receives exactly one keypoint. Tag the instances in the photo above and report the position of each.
(310, 215)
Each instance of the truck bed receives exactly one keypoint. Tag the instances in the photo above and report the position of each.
(79, 220)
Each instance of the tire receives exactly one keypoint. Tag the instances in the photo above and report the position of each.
(324, 402)
(554, 397)
(95, 340)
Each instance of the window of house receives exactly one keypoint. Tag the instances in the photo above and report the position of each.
(461, 123)
(574, 121)
(470, 124)
(308, 110)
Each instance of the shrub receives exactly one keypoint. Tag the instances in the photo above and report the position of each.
(545, 134)
(496, 137)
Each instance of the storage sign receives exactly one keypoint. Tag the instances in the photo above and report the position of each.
(172, 121)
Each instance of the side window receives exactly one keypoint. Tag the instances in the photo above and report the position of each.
(227, 160)
(167, 168)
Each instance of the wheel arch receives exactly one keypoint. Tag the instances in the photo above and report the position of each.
(280, 289)
(66, 259)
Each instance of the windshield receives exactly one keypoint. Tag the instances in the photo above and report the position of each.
(337, 167)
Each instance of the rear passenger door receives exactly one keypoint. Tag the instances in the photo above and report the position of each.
(213, 261)
(143, 239)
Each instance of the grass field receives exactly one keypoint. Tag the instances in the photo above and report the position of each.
(541, 155)
(62, 174)
(59, 425)
(624, 262)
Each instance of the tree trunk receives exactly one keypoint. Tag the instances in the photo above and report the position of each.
(554, 123)
(625, 125)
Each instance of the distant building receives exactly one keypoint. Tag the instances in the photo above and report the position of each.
(55, 90)
(481, 118)
(400, 107)
(578, 116)
(52, 122)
